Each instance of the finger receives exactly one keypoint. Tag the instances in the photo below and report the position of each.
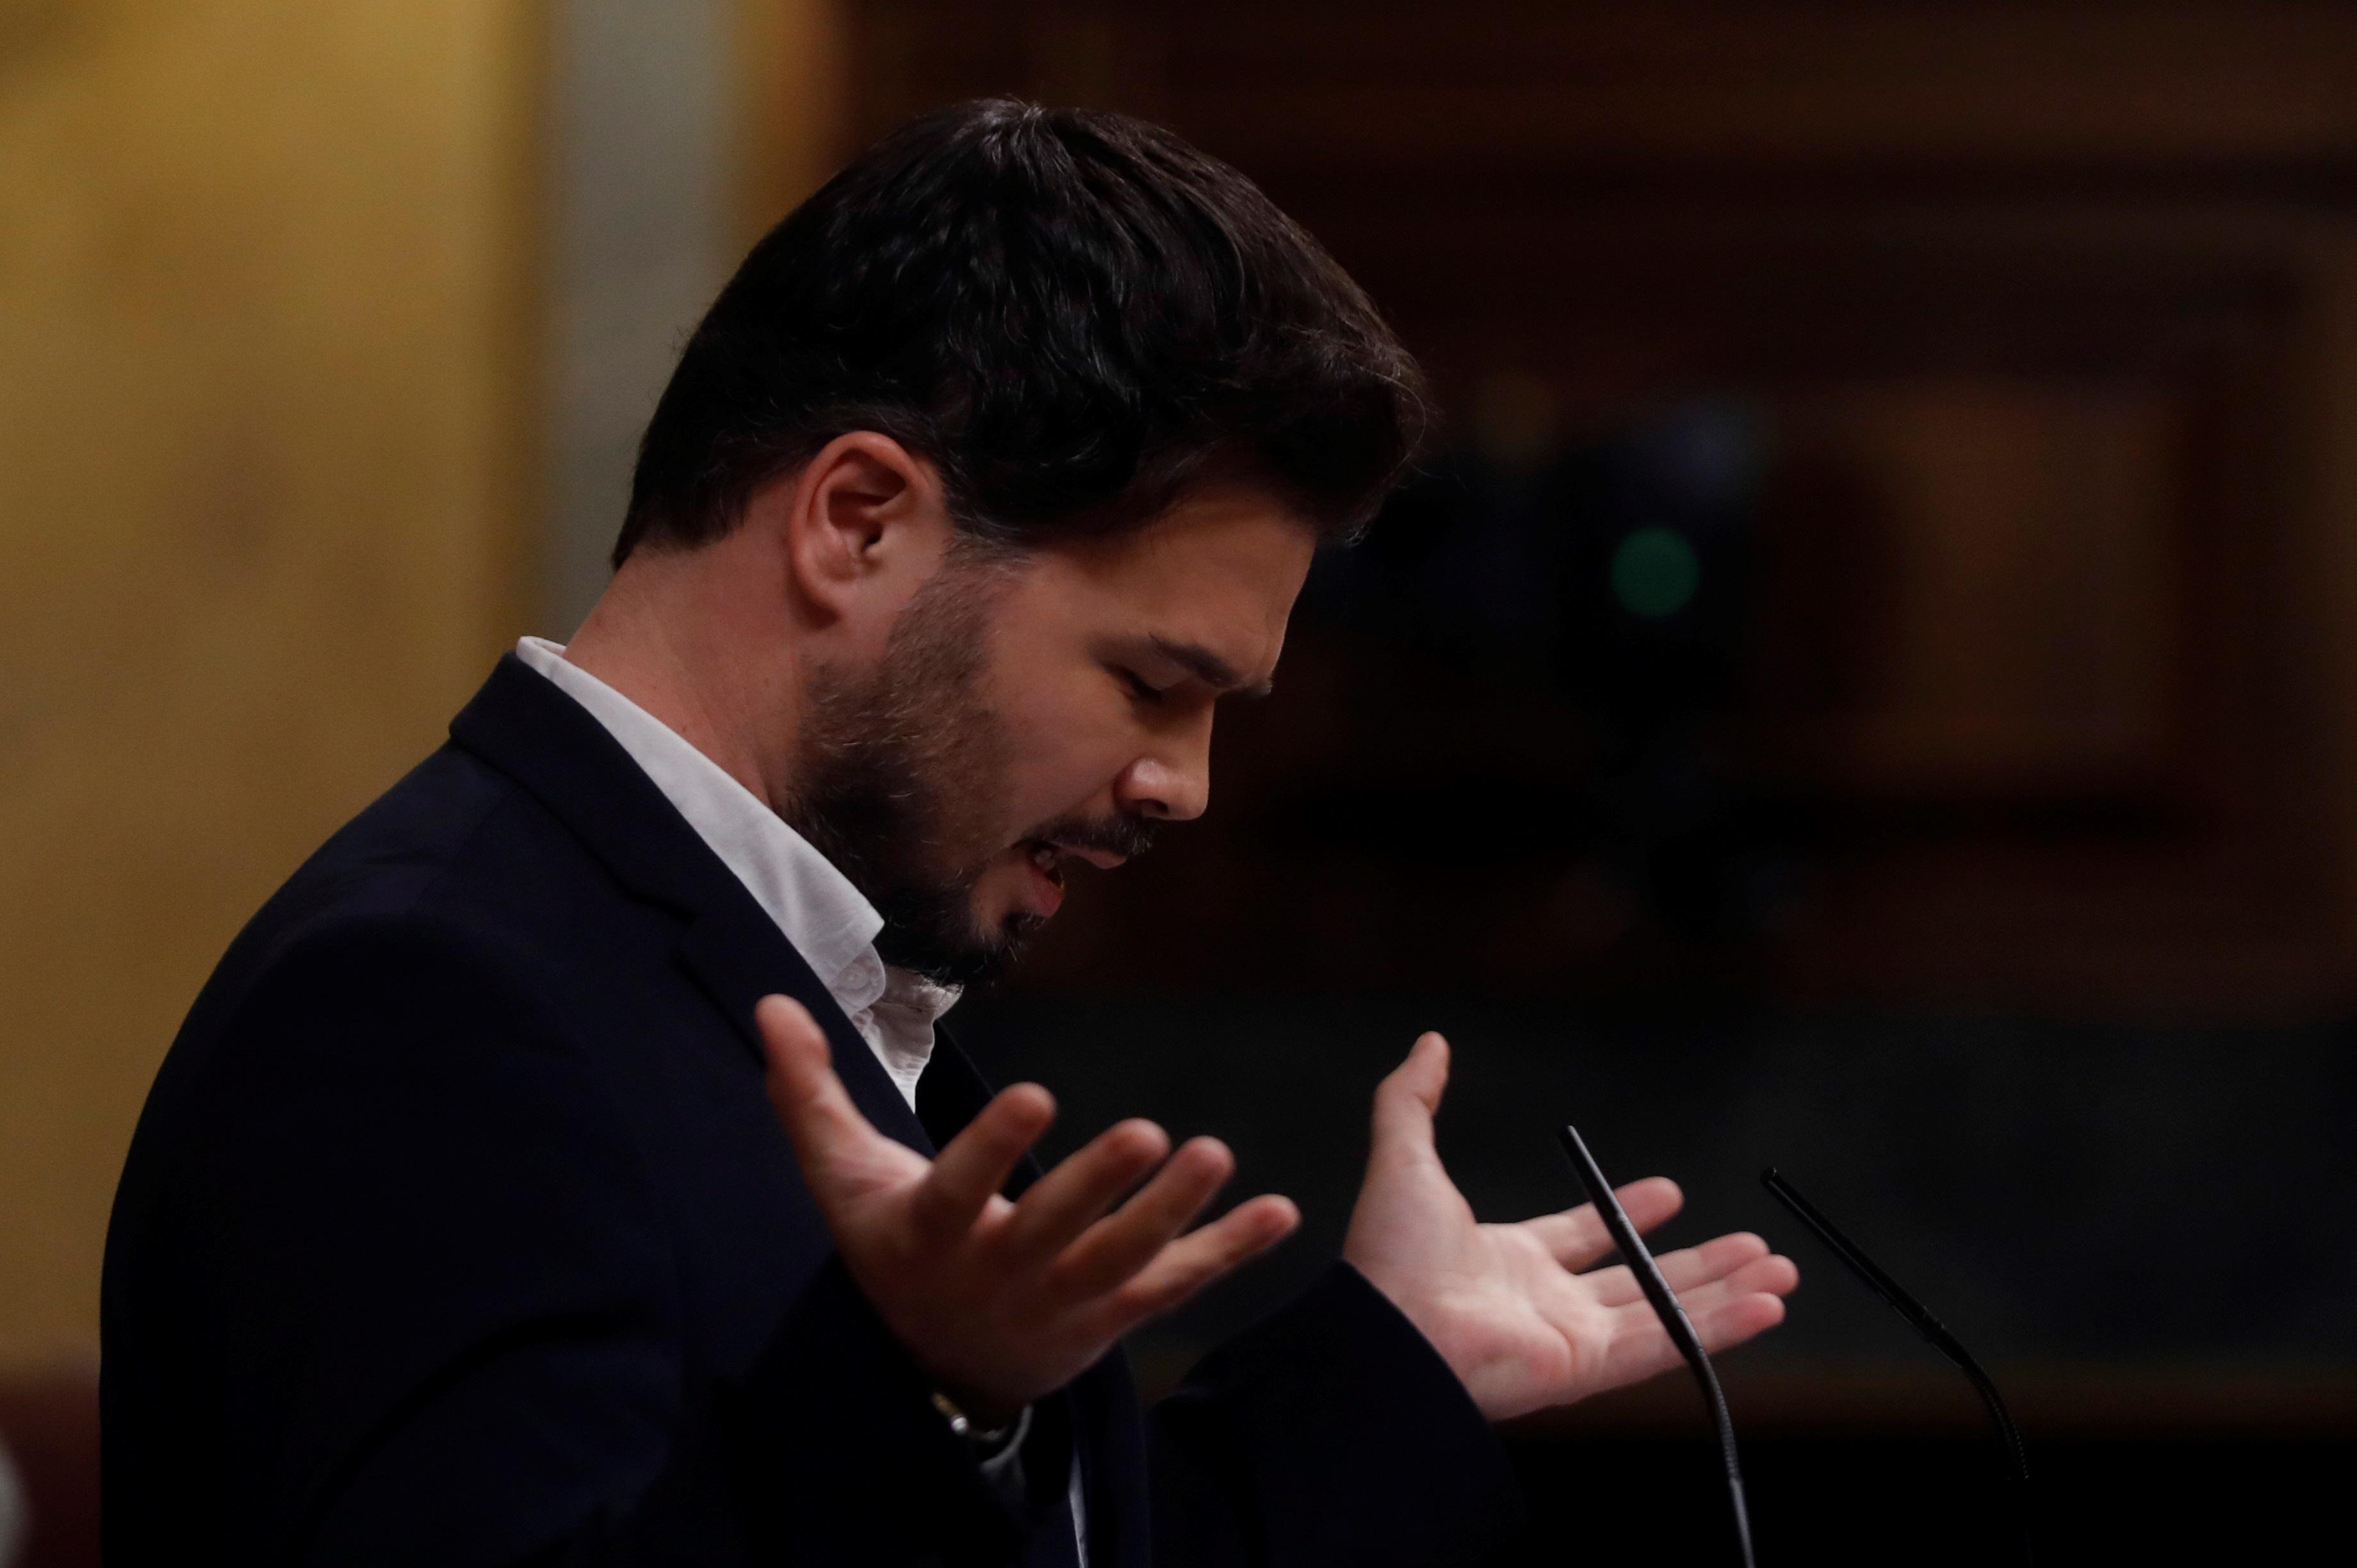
(1061, 1204)
(1109, 1252)
(817, 1111)
(1684, 1269)
(1646, 1351)
(977, 1160)
(1762, 1277)
(1197, 1259)
(1738, 1320)
(1576, 1237)
(1406, 1099)
(1724, 1314)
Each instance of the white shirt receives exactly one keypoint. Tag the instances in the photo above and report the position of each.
(826, 919)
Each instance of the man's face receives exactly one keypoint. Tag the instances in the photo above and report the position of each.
(1027, 713)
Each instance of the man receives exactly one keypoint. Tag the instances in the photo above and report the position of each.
(564, 1166)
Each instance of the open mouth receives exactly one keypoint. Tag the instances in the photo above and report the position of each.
(1047, 859)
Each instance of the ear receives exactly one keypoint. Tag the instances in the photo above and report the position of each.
(864, 518)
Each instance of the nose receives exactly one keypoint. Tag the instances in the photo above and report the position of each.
(1171, 784)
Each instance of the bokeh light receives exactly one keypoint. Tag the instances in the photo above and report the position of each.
(1655, 573)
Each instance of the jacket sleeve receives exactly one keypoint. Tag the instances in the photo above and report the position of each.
(1332, 1432)
(438, 1289)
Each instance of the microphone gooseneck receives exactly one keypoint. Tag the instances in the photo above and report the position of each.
(1665, 1303)
(1919, 1317)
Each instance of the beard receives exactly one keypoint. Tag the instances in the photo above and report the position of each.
(902, 777)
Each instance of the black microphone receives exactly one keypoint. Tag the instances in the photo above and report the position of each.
(1920, 1318)
(1665, 1303)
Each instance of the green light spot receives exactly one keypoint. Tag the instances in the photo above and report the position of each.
(1655, 573)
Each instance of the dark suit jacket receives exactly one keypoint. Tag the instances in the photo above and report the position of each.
(457, 1229)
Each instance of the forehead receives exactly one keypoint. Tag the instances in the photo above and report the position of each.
(1224, 561)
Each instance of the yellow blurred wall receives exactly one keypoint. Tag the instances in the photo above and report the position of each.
(266, 413)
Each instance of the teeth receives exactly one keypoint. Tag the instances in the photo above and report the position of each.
(1044, 856)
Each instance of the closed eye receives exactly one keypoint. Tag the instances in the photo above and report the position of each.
(1138, 686)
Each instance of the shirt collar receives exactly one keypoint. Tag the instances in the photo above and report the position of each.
(826, 919)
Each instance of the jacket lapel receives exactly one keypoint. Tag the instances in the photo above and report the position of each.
(952, 1094)
(738, 962)
(558, 752)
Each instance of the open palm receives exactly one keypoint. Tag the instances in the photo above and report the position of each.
(1004, 1302)
(1508, 1307)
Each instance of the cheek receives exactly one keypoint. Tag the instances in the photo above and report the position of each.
(1066, 728)
(1062, 753)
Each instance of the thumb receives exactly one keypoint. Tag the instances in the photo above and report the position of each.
(810, 1100)
(1406, 1099)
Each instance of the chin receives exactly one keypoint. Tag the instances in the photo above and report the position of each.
(982, 959)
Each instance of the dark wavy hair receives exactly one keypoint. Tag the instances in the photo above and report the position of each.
(1073, 316)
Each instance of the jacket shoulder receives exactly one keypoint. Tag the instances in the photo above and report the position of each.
(455, 845)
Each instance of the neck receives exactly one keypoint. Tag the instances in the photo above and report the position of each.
(661, 636)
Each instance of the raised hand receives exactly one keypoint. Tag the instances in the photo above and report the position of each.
(1506, 1305)
(1004, 1302)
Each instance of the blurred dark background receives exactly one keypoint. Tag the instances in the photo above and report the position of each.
(1863, 686)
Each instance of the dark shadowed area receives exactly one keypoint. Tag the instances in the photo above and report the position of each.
(1859, 687)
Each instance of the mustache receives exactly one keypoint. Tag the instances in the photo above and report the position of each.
(1128, 837)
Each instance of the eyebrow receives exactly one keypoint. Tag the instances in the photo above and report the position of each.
(1208, 667)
